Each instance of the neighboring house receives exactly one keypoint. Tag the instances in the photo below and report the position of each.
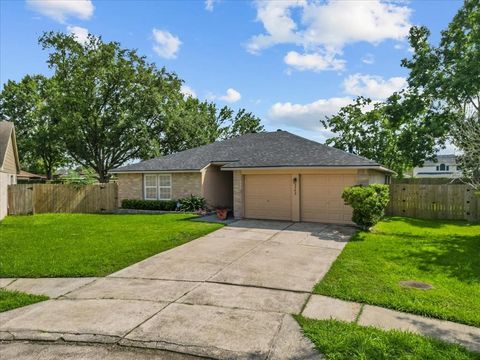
(445, 166)
(271, 175)
(25, 177)
(9, 164)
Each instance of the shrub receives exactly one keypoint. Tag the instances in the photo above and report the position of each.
(368, 203)
(165, 205)
(192, 203)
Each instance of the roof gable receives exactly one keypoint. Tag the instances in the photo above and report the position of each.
(7, 138)
(260, 150)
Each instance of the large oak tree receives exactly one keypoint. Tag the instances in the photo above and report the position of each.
(111, 102)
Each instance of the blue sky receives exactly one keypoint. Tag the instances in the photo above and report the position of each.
(289, 62)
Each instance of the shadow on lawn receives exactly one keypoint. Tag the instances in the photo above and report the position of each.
(427, 223)
(454, 256)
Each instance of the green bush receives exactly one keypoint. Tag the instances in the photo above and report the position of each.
(192, 203)
(368, 203)
(165, 205)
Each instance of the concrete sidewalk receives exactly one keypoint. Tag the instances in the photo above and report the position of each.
(323, 308)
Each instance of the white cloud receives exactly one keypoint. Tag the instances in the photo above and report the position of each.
(188, 91)
(372, 86)
(209, 4)
(166, 44)
(231, 96)
(314, 61)
(327, 27)
(81, 34)
(278, 23)
(306, 116)
(60, 10)
(368, 59)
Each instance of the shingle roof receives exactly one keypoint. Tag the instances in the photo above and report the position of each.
(267, 149)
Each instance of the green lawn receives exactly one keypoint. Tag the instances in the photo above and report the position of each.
(69, 245)
(13, 299)
(444, 254)
(339, 340)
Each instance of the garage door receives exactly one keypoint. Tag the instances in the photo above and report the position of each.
(321, 198)
(268, 197)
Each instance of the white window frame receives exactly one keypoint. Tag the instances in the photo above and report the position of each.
(169, 187)
(145, 187)
(157, 186)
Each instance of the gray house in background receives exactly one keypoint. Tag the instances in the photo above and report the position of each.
(445, 166)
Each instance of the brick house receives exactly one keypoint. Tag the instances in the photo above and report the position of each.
(271, 175)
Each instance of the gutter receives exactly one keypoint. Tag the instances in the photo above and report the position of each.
(335, 167)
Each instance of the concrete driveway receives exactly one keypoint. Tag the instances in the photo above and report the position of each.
(226, 295)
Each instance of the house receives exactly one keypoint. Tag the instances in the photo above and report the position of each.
(270, 175)
(25, 177)
(9, 163)
(445, 166)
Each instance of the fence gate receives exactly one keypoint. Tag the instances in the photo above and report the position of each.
(20, 199)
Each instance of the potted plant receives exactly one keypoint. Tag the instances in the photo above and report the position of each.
(222, 213)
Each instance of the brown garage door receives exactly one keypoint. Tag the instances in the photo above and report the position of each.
(268, 197)
(321, 198)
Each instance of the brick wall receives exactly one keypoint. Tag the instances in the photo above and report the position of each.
(238, 195)
(130, 186)
(186, 184)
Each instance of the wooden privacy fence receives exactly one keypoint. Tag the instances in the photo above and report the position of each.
(434, 201)
(61, 198)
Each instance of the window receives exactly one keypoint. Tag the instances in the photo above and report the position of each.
(164, 187)
(442, 167)
(151, 187)
(158, 187)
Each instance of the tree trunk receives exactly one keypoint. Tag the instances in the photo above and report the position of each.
(49, 172)
(103, 175)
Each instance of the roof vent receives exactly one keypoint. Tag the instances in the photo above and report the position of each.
(279, 130)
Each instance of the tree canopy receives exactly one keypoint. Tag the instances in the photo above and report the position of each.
(442, 97)
(105, 105)
(31, 105)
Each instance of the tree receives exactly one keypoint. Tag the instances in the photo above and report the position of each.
(395, 133)
(466, 136)
(30, 105)
(191, 123)
(105, 105)
(188, 124)
(448, 76)
(412, 125)
(364, 133)
(112, 103)
(242, 123)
